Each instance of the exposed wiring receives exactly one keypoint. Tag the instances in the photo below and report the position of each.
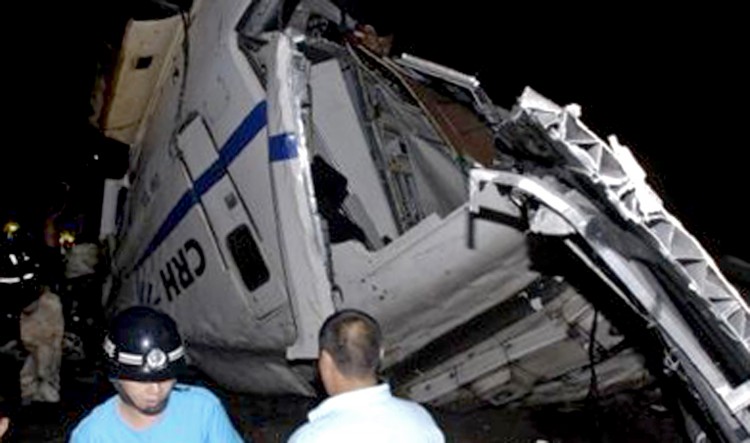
(592, 398)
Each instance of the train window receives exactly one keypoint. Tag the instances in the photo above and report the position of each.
(248, 258)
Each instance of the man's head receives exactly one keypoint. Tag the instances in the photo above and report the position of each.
(350, 348)
(144, 355)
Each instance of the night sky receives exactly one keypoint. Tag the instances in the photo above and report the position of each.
(671, 84)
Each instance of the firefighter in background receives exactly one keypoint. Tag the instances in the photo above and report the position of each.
(81, 292)
(42, 328)
(41, 320)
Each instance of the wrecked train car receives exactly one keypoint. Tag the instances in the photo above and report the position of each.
(279, 173)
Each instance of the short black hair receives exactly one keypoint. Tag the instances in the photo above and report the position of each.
(353, 339)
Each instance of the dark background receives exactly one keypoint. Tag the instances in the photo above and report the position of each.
(669, 83)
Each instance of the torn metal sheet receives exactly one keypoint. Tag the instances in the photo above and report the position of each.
(546, 221)
(145, 58)
(511, 365)
(342, 139)
(575, 145)
(299, 232)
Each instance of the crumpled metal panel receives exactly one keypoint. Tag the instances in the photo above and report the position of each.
(533, 358)
(612, 167)
(646, 248)
(146, 55)
(300, 233)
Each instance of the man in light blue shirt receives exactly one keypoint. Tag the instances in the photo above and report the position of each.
(144, 355)
(359, 409)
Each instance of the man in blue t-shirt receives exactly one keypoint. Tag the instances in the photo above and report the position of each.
(145, 354)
